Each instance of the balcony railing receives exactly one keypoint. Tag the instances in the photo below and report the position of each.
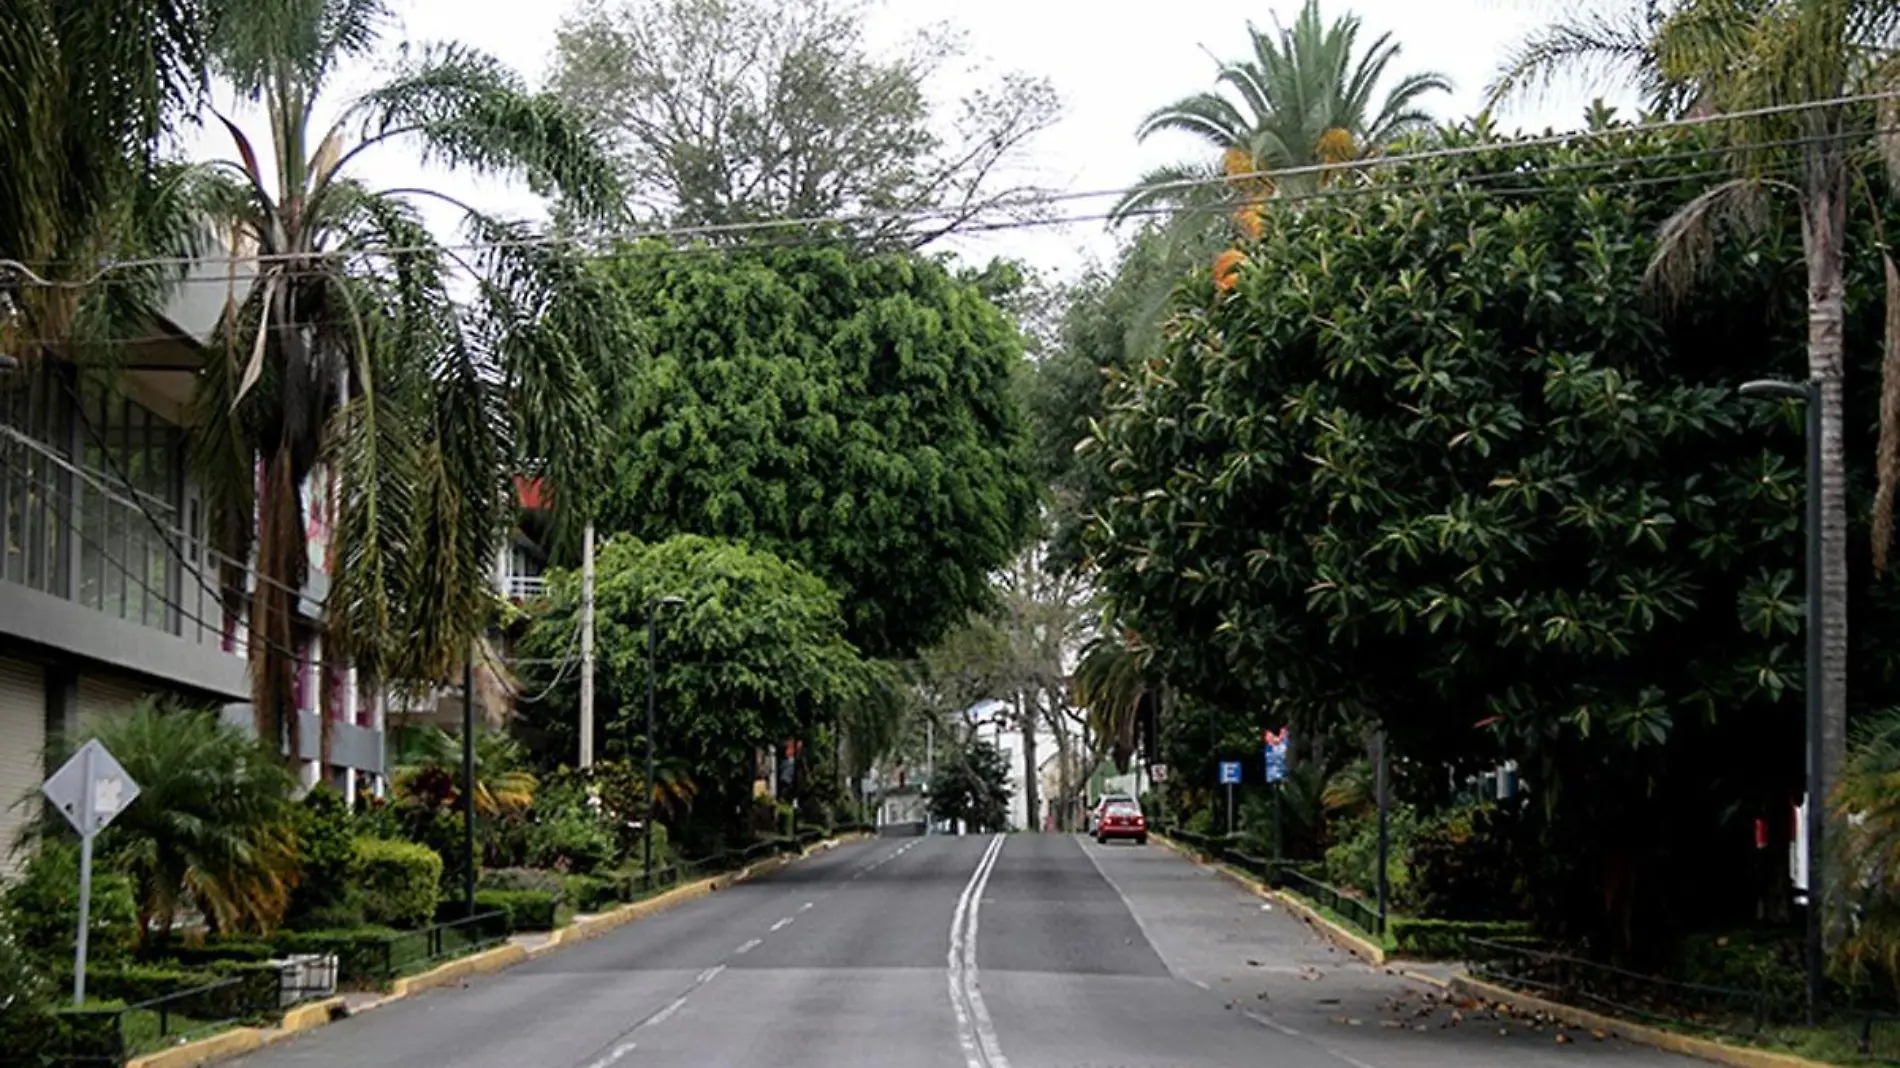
(526, 587)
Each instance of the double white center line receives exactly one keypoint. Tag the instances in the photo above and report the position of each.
(974, 1028)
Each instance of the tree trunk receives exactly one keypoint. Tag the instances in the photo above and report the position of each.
(282, 564)
(1032, 799)
(1824, 230)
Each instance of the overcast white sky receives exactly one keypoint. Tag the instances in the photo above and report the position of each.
(1112, 61)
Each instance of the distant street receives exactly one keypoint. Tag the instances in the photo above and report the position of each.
(979, 952)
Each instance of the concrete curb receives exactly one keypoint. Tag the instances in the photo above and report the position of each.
(1688, 1045)
(1340, 936)
(305, 1017)
(242, 1040)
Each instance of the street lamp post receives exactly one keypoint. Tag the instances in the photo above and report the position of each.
(1809, 392)
(646, 823)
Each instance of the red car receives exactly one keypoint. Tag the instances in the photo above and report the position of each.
(1121, 819)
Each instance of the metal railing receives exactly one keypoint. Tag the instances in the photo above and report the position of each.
(113, 1035)
(1633, 995)
(526, 587)
(1291, 875)
(372, 959)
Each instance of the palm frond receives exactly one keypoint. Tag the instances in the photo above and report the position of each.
(1615, 44)
(1687, 242)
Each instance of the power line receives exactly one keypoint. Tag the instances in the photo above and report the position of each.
(1268, 175)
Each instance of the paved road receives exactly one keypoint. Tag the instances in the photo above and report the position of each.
(985, 952)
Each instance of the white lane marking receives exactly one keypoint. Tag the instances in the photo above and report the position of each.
(975, 1030)
(747, 948)
(1269, 1022)
(709, 975)
(782, 924)
(614, 1055)
(1200, 984)
(1140, 924)
(666, 1014)
(807, 905)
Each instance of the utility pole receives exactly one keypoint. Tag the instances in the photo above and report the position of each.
(1382, 786)
(930, 768)
(468, 777)
(587, 647)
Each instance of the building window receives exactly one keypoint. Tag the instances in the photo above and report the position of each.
(35, 487)
(130, 520)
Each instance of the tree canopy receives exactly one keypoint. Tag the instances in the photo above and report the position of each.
(1437, 462)
(728, 111)
(754, 656)
(855, 414)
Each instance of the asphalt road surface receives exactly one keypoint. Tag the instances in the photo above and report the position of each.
(1024, 951)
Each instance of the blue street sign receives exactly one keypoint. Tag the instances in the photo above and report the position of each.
(1276, 763)
(1229, 772)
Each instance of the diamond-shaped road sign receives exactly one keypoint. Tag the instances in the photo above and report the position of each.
(91, 770)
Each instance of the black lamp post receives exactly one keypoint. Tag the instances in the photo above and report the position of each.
(1809, 392)
(646, 824)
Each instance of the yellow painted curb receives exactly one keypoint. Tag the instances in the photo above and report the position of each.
(1688, 1045)
(1347, 940)
(486, 962)
(240, 1040)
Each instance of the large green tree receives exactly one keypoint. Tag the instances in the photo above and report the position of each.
(855, 414)
(1783, 67)
(1439, 463)
(347, 350)
(755, 656)
(737, 111)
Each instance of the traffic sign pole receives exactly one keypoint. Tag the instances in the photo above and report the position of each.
(86, 831)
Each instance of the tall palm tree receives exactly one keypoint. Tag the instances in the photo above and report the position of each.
(1306, 97)
(349, 352)
(1743, 56)
(90, 90)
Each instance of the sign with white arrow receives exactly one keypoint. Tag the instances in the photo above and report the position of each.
(90, 790)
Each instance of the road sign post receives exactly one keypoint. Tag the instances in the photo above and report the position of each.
(1274, 746)
(89, 790)
(1229, 775)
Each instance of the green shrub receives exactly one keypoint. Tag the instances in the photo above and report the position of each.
(1353, 861)
(364, 954)
(662, 850)
(527, 910)
(400, 882)
(1465, 866)
(572, 838)
(338, 917)
(1445, 939)
(1767, 962)
(219, 951)
(548, 882)
(592, 893)
(26, 995)
(326, 856)
(44, 907)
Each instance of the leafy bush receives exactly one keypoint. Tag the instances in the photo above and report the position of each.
(591, 893)
(400, 882)
(512, 879)
(438, 828)
(1767, 962)
(364, 954)
(44, 908)
(528, 910)
(338, 917)
(1465, 866)
(1445, 939)
(326, 854)
(572, 838)
(254, 994)
(25, 992)
(220, 951)
(1353, 861)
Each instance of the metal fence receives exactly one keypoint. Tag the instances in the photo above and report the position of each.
(1632, 995)
(1300, 877)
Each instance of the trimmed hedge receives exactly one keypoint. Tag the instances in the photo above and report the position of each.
(591, 893)
(363, 954)
(254, 995)
(400, 882)
(527, 910)
(216, 952)
(1445, 939)
(517, 879)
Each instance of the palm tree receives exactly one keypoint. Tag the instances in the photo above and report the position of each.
(211, 823)
(1111, 683)
(348, 354)
(434, 768)
(1306, 97)
(90, 91)
(1783, 65)
(1617, 41)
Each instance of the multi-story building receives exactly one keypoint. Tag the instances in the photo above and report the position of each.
(108, 581)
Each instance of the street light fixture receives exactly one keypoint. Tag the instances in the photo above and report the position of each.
(1809, 392)
(646, 823)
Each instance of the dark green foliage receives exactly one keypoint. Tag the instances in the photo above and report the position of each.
(364, 954)
(973, 786)
(528, 910)
(254, 994)
(852, 413)
(219, 951)
(43, 908)
(437, 827)
(1441, 462)
(1445, 939)
(400, 882)
(1353, 859)
(568, 835)
(591, 893)
(750, 659)
(326, 853)
(1766, 962)
(1466, 865)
